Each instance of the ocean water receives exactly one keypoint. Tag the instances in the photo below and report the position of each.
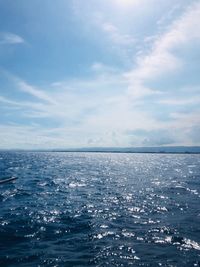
(96, 209)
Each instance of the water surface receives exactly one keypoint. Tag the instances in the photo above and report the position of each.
(99, 209)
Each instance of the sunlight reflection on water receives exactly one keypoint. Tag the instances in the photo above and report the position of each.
(95, 209)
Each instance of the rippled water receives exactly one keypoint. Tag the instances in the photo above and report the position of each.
(96, 209)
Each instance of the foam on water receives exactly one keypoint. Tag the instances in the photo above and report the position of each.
(95, 209)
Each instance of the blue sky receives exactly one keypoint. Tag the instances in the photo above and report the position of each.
(117, 73)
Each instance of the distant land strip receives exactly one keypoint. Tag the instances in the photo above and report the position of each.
(153, 150)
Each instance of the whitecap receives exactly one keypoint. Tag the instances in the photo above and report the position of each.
(162, 209)
(73, 185)
(102, 235)
(125, 233)
(188, 243)
(103, 226)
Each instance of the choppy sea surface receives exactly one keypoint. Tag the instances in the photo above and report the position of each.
(96, 209)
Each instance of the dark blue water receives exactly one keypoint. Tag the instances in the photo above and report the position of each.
(90, 209)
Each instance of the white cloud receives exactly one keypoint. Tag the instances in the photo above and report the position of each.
(137, 90)
(100, 68)
(82, 108)
(107, 115)
(68, 101)
(185, 120)
(161, 60)
(32, 136)
(25, 87)
(116, 36)
(10, 38)
(8, 101)
(180, 101)
(127, 3)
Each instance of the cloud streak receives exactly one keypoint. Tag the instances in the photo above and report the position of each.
(117, 37)
(10, 38)
(25, 87)
(162, 59)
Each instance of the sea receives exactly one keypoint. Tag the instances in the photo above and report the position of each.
(99, 209)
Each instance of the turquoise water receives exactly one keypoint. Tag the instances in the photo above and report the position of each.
(96, 209)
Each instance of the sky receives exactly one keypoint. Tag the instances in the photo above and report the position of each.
(99, 73)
